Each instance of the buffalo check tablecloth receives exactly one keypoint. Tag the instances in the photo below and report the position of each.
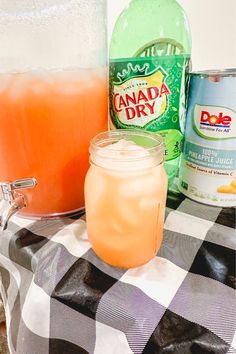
(61, 299)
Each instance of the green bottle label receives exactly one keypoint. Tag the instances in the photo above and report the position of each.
(149, 93)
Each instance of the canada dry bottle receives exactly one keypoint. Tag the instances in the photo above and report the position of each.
(149, 58)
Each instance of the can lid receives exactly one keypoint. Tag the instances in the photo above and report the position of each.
(215, 73)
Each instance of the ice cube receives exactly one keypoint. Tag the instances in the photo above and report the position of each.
(143, 184)
(5, 81)
(149, 204)
(74, 82)
(69, 89)
(127, 213)
(39, 88)
(96, 188)
(20, 84)
(44, 76)
(116, 226)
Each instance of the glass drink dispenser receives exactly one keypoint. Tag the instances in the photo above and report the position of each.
(53, 100)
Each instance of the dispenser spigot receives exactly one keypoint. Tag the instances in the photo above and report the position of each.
(12, 200)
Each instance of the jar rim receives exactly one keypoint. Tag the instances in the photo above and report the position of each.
(152, 144)
(115, 135)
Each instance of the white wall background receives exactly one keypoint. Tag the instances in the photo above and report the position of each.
(213, 26)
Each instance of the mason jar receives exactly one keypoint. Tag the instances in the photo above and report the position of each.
(125, 196)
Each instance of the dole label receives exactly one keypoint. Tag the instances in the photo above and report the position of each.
(212, 122)
(220, 120)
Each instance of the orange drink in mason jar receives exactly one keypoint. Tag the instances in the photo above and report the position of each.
(125, 196)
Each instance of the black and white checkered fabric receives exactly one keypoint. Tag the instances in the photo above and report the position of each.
(61, 299)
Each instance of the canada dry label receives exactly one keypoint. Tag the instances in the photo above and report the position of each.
(149, 93)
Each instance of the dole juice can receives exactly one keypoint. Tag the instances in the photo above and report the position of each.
(208, 164)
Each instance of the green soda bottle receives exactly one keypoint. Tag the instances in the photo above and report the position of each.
(149, 58)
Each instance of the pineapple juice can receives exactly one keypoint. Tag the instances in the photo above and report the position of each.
(208, 164)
